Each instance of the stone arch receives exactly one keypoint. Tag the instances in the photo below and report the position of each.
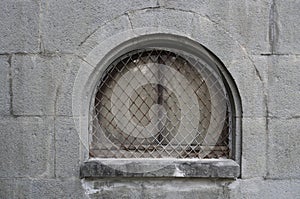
(123, 34)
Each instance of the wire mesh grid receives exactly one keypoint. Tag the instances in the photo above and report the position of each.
(154, 103)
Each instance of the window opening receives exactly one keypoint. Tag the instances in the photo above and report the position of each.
(159, 103)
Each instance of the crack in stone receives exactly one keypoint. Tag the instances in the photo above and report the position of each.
(54, 131)
(254, 66)
(294, 117)
(266, 99)
(273, 27)
(87, 37)
(10, 85)
(114, 18)
(81, 58)
(40, 39)
(257, 71)
(280, 54)
(129, 19)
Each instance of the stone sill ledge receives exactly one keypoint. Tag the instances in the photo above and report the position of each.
(167, 167)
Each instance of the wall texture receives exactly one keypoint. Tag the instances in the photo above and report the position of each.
(50, 49)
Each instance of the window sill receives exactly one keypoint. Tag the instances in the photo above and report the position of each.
(200, 168)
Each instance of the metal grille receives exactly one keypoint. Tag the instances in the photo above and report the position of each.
(154, 103)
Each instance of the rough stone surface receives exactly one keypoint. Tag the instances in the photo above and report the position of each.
(67, 148)
(68, 23)
(19, 24)
(41, 188)
(286, 27)
(160, 168)
(257, 188)
(254, 147)
(55, 188)
(7, 187)
(113, 27)
(284, 87)
(216, 40)
(283, 149)
(65, 72)
(251, 88)
(5, 85)
(162, 18)
(27, 150)
(37, 83)
(261, 65)
(241, 20)
(156, 188)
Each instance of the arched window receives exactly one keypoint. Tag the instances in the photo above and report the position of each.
(162, 103)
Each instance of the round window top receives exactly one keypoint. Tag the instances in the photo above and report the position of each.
(156, 103)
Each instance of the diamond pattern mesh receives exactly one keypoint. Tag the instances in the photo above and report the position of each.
(154, 103)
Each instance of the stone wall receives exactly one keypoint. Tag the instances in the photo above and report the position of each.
(50, 49)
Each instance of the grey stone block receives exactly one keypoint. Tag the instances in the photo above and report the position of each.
(283, 151)
(163, 19)
(205, 189)
(4, 86)
(46, 188)
(65, 77)
(115, 190)
(284, 87)
(287, 38)
(19, 24)
(27, 149)
(246, 21)
(261, 65)
(249, 72)
(183, 194)
(254, 147)
(222, 168)
(216, 39)
(281, 189)
(67, 144)
(67, 23)
(114, 27)
(37, 83)
(155, 188)
(7, 188)
(57, 189)
(251, 87)
(257, 188)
